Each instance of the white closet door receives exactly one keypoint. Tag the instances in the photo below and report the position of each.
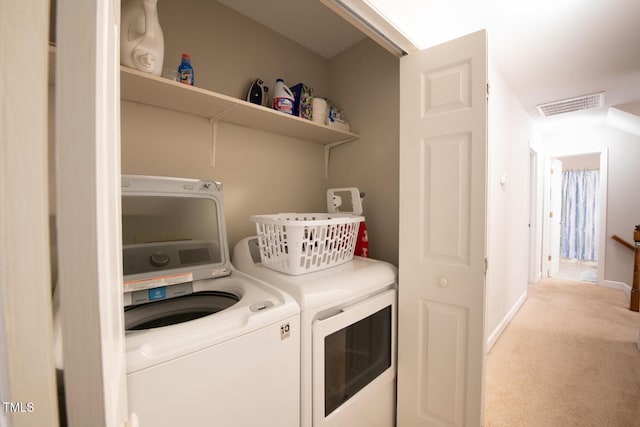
(443, 160)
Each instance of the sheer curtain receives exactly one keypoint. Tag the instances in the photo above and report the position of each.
(579, 237)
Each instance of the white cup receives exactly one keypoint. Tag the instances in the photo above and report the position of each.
(171, 74)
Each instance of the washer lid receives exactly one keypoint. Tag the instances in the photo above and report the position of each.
(173, 231)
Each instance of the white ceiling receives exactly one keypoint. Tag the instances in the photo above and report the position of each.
(546, 50)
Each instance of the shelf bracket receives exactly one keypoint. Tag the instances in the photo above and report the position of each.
(213, 132)
(327, 152)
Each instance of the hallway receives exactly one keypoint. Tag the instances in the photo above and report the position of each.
(568, 358)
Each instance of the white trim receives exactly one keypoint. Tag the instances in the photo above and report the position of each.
(535, 216)
(493, 338)
(604, 190)
(533, 183)
(612, 284)
(88, 211)
(372, 22)
(546, 191)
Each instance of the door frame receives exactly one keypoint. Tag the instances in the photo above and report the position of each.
(535, 215)
(88, 211)
(552, 225)
(602, 207)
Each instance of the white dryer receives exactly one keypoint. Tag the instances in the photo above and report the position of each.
(205, 344)
(348, 342)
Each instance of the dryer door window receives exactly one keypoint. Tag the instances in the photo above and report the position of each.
(352, 350)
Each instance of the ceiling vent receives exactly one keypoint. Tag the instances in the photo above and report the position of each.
(572, 104)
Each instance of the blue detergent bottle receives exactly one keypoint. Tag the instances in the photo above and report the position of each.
(185, 70)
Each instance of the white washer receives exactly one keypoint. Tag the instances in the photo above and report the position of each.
(205, 344)
(348, 342)
(238, 367)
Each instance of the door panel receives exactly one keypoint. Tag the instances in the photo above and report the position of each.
(444, 330)
(446, 90)
(443, 125)
(444, 225)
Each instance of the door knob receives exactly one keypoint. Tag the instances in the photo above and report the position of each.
(443, 282)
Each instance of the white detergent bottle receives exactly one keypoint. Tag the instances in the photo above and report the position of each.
(283, 98)
(141, 38)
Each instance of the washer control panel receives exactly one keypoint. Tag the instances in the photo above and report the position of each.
(155, 294)
(150, 257)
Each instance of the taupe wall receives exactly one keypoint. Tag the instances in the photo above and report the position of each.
(263, 172)
(229, 50)
(365, 81)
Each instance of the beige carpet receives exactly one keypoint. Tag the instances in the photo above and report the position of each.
(568, 358)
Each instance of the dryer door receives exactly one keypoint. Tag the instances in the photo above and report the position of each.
(354, 364)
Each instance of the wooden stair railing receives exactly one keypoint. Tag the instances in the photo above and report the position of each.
(635, 289)
(634, 304)
(623, 242)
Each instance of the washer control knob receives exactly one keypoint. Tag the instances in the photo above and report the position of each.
(443, 282)
(159, 259)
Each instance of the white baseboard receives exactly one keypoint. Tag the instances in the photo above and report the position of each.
(536, 278)
(493, 338)
(618, 285)
(627, 291)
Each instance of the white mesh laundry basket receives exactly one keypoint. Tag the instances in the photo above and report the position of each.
(296, 243)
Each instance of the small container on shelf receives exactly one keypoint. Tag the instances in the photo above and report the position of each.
(303, 95)
(336, 119)
(185, 70)
(283, 98)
